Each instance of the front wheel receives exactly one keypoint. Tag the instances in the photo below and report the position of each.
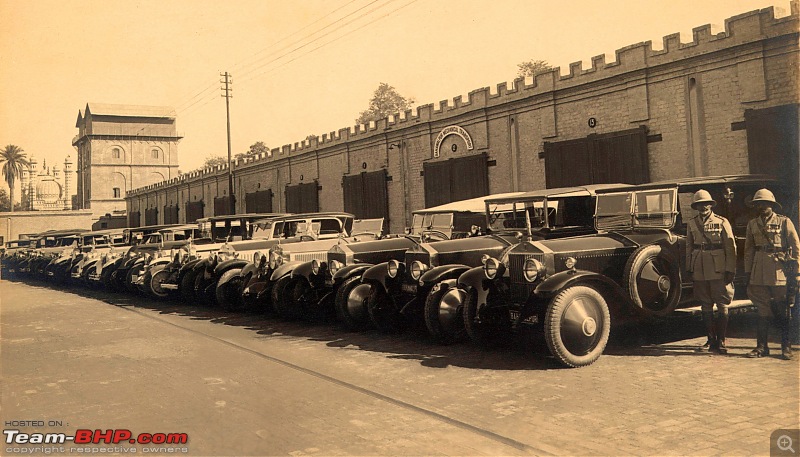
(186, 286)
(576, 326)
(490, 327)
(444, 314)
(229, 290)
(382, 311)
(153, 281)
(351, 304)
(283, 298)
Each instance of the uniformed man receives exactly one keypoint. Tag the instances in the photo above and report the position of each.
(771, 242)
(711, 260)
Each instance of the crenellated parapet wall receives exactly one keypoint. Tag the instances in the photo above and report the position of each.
(753, 63)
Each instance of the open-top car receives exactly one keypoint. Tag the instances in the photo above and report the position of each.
(305, 235)
(423, 287)
(115, 270)
(192, 267)
(335, 282)
(292, 263)
(93, 245)
(632, 268)
(46, 247)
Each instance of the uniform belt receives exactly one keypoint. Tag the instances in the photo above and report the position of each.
(768, 249)
(708, 246)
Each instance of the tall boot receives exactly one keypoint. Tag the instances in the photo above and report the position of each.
(762, 333)
(711, 342)
(722, 329)
(786, 338)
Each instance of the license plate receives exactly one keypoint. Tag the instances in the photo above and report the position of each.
(528, 320)
(409, 288)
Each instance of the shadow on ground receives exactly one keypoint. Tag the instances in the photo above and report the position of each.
(525, 351)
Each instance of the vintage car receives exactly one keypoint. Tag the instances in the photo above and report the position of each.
(219, 230)
(632, 268)
(11, 256)
(335, 283)
(292, 263)
(150, 260)
(116, 265)
(93, 245)
(423, 287)
(46, 247)
(305, 233)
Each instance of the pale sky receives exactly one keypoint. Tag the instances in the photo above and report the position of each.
(299, 68)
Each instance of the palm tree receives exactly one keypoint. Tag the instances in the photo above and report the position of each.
(13, 159)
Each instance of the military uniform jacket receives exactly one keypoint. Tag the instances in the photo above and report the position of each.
(766, 243)
(709, 257)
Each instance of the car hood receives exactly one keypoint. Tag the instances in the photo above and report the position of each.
(467, 251)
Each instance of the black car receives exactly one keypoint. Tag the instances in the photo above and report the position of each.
(423, 287)
(632, 268)
(335, 282)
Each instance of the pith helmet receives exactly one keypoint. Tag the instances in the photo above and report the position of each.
(702, 196)
(765, 195)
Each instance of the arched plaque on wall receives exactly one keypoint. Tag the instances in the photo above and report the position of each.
(452, 130)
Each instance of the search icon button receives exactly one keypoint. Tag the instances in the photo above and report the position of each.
(785, 443)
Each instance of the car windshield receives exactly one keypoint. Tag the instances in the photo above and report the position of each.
(647, 208)
(515, 216)
(230, 229)
(442, 222)
(263, 230)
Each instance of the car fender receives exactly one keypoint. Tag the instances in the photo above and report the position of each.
(249, 269)
(221, 283)
(222, 267)
(349, 271)
(188, 266)
(380, 274)
(283, 270)
(552, 285)
(441, 273)
(304, 270)
(475, 280)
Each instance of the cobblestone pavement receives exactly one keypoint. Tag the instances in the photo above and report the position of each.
(251, 384)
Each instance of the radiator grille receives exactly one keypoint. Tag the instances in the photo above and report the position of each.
(515, 264)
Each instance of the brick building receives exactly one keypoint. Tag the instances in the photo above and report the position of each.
(724, 103)
(122, 147)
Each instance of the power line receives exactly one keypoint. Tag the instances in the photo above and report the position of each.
(243, 79)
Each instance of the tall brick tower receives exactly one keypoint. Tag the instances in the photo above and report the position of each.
(122, 147)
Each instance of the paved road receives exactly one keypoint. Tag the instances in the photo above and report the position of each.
(249, 384)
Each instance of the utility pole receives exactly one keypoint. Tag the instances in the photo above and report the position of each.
(227, 94)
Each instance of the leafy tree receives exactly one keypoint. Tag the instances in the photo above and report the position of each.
(14, 160)
(213, 161)
(5, 202)
(532, 67)
(385, 102)
(256, 148)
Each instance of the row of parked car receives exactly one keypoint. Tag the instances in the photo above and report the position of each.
(570, 261)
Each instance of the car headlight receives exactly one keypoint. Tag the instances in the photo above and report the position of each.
(532, 269)
(417, 268)
(491, 267)
(315, 267)
(275, 259)
(394, 267)
(334, 266)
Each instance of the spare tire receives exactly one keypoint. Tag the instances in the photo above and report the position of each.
(653, 280)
